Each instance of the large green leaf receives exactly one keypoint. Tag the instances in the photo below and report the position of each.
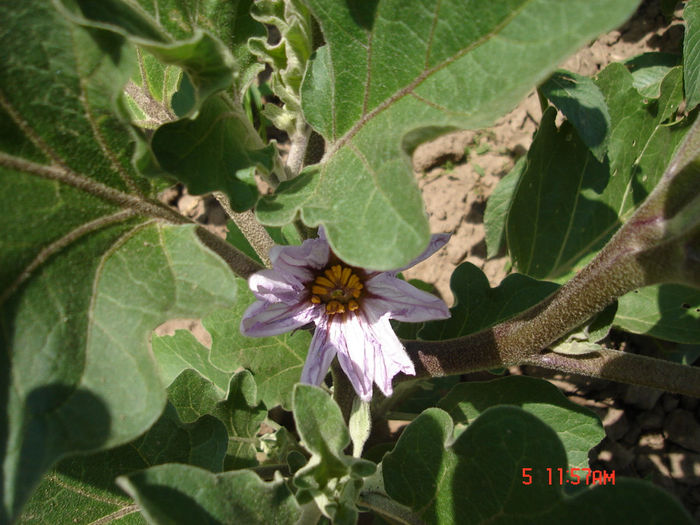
(581, 101)
(185, 494)
(567, 204)
(479, 478)
(84, 278)
(192, 148)
(478, 306)
(667, 311)
(82, 489)
(691, 52)
(578, 428)
(394, 74)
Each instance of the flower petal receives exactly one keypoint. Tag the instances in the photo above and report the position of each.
(437, 241)
(263, 319)
(298, 262)
(272, 286)
(371, 353)
(402, 301)
(321, 353)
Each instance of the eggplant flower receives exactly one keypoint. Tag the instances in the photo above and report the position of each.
(350, 307)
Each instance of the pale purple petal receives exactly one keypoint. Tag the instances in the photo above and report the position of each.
(356, 353)
(272, 286)
(437, 241)
(402, 301)
(263, 319)
(321, 353)
(392, 353)
(299, 262)
(372, 354)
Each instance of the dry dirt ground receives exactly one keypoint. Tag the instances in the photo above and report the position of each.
(650, 434)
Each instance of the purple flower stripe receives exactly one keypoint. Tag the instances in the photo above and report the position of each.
(263, 319)
(272, 286)
(300, 261)
(402, 301)
(321, 353)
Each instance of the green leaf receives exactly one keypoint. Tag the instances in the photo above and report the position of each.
(667, 311)
(242, 414)
(330, 477)
(392, 75)
(497, 208)
(478, 306)
(275, 362)
(82, 489)
(181, 37)
(185, 494)
(181, 352)
(568, 205)
(691, 53)
(191, 148)
(649, 70)
(79, 261)
(582, 103)
(578, 428)
(479, 478)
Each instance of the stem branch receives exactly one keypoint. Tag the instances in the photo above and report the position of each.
(253, 231)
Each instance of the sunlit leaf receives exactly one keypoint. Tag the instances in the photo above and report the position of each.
(480, 479)
(394, 74)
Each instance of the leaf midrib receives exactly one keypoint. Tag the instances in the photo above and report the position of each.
(366, 117)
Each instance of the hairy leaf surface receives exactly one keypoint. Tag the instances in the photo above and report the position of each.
(480, 478)
(394, 74)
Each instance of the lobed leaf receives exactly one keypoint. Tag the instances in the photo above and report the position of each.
(667, 311)
(579, 202)
(82, 488)
(394, 74)
(578, 428)
(185, 494)
(276, 362)
(478, 306)
(80, 260)
(191, 148)
(478, 478)
(583, 104)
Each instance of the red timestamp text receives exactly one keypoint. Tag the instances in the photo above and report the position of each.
(571, 476)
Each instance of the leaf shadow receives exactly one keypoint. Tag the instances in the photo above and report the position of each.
(57, 420)
(363, 12)
(174, 505)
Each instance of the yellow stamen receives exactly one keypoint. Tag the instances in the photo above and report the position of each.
(353, 281)
(356, 293)
(345, 275)
(318, 290)
(352, 305)
(324, 282)
(335, 307)
(315, 299)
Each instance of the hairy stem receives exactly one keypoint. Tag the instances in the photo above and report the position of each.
(253, 231)
(297, 152)
(240, 263)
(658, 244)
(626, 368)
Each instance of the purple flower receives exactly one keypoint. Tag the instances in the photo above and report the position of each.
(351, 308)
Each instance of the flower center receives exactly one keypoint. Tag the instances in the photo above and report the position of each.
(338, 288)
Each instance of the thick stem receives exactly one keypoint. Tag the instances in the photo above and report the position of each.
(253, 231)
(626, 368)
(241, 264)
(657, 244)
